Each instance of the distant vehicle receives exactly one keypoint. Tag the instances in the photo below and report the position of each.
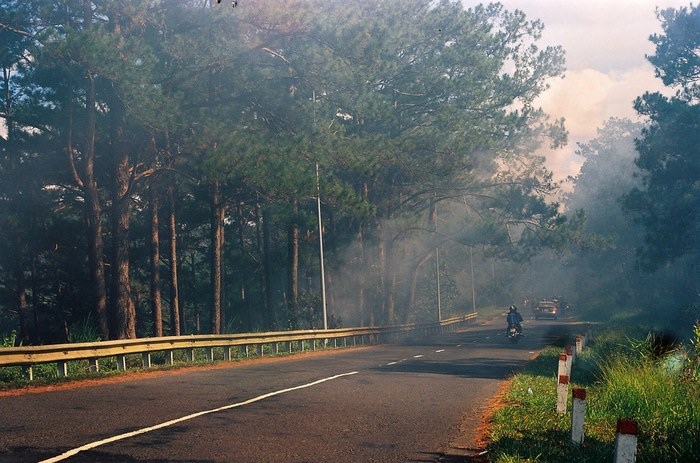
(546, 309)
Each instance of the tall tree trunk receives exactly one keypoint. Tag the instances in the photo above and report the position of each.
(217, 249)
(382, 270)
(362, 278)
(245, 297)
(88, 184)
(93, 214)
(156, 299)
(174, 289)
(293, 268)
(268, 313)
(21, 291)
(123, 307)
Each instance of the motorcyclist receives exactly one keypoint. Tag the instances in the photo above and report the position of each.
(514, 318)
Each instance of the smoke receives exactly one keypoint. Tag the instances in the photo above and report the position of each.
(605, 44)
(586, 99)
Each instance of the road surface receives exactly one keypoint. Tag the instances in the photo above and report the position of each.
(418, 401)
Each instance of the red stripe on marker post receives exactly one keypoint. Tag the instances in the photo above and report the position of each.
(626, 441)
(625, 426)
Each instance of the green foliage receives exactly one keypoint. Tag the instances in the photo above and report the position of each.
(86, 331)
(668, 203)
(8, 340)
(403, 105)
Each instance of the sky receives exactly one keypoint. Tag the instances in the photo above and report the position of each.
(605, 43)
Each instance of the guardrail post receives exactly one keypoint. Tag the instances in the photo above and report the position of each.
(227, 353)
(578, 414)
(189, 354)
(562, 394)
(210, 354)
(170, 357)
(146, 360)
(121, 362)
(62, 368)
(94, 365)
(626, 441)
(28, 372)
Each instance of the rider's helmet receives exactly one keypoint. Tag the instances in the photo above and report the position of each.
(512, 309)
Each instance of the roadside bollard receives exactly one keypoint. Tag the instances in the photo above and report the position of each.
(561, 370)
(579, 344)
(578, 414)
(626, 441)
(569, 359)
(562, 393)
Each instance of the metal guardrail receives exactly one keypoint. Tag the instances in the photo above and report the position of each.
(28, 356)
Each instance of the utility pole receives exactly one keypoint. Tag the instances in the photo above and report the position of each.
(437, 268)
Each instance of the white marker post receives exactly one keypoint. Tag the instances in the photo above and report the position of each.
(626, 441)
(570, 356)
(562, 369)
(579, 344)
(562, 394)
(578, 414)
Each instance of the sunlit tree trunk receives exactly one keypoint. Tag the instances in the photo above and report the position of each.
(123, 307)
(174, 288)
(156, 299)
(217, 249)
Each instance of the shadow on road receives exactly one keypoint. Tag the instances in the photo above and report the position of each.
(482, 367)
(25, 454)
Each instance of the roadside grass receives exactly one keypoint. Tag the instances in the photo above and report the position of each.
(624, 377)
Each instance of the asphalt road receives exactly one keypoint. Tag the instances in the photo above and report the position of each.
(419, 401)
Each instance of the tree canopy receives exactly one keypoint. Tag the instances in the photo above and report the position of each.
(183, 137)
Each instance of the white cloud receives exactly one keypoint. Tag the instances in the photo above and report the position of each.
(605, 43)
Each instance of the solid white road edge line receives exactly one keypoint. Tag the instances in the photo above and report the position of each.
(165, 424)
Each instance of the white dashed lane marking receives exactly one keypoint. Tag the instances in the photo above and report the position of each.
(166, 424)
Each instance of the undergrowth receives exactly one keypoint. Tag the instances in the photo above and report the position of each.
(625, 376)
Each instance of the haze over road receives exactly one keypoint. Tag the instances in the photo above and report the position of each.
(417, 401)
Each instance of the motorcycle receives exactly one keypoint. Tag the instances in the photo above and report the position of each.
(513, 334)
